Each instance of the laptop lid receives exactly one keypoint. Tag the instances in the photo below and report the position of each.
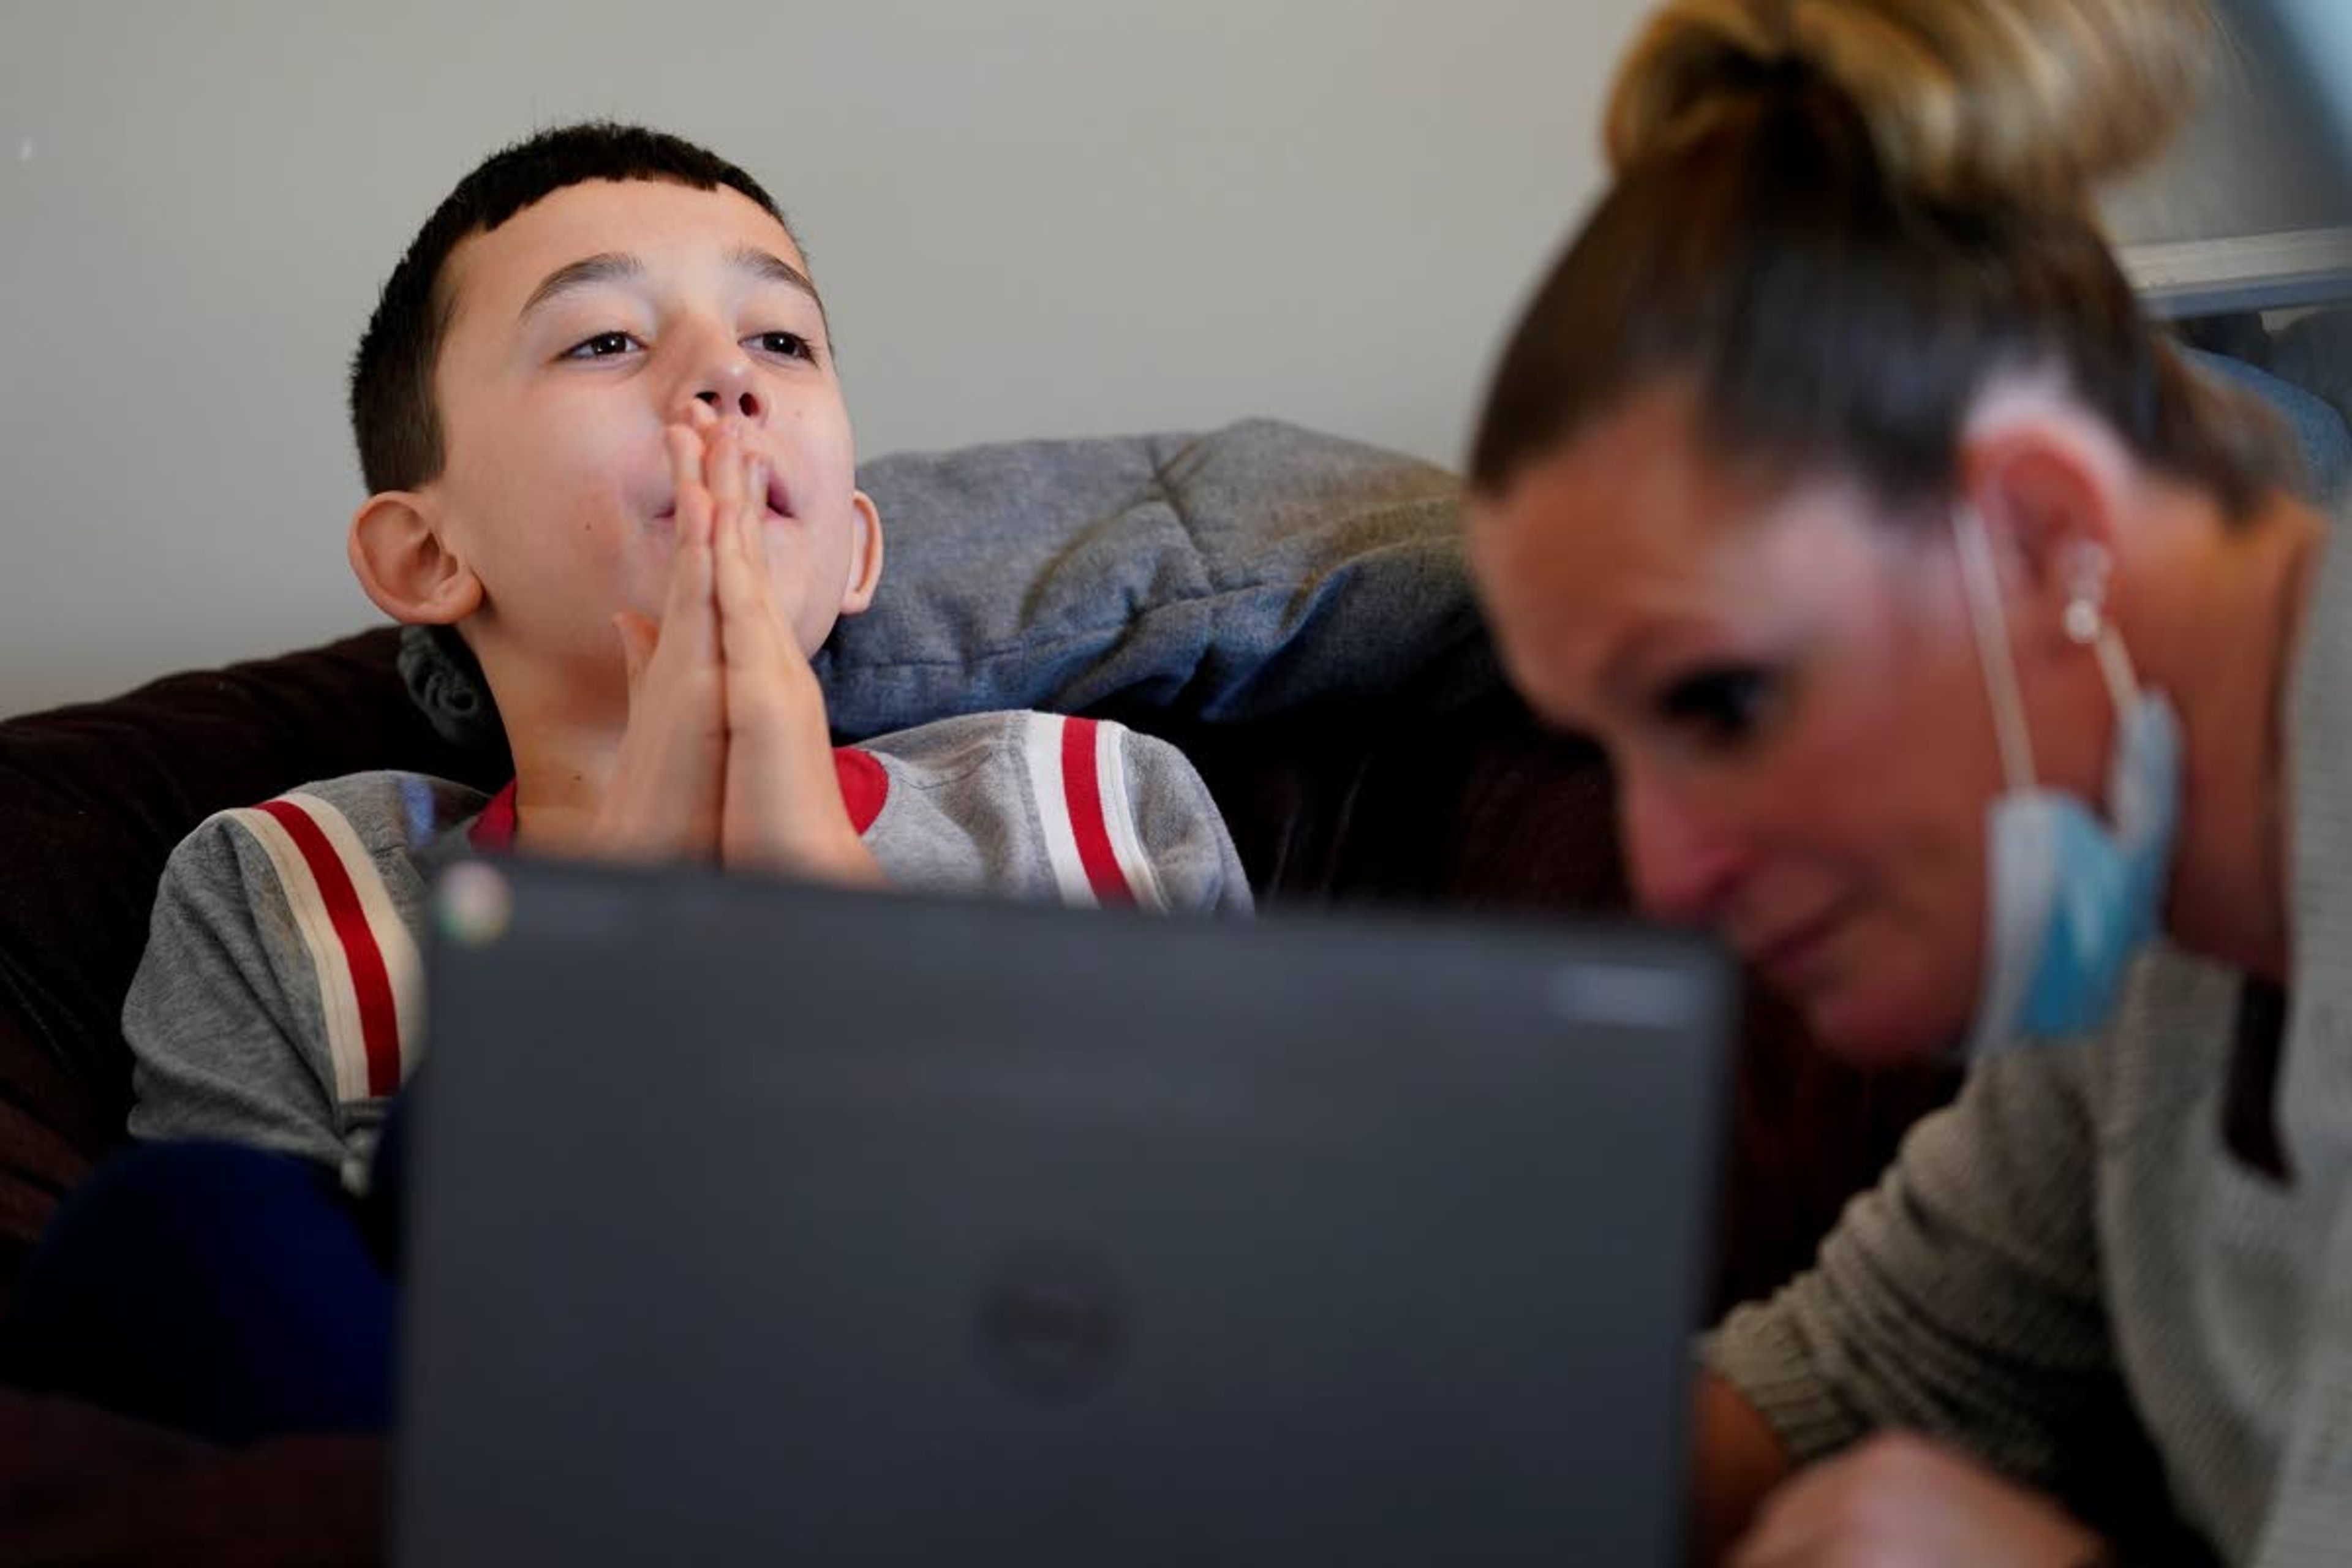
(753, 1222)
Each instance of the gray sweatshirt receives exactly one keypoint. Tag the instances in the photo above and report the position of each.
(2068, 1271)
(279, 1000)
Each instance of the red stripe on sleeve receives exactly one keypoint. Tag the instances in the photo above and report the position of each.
(865, 785)
(1082, 787)
(379, 1019)
(493, 832)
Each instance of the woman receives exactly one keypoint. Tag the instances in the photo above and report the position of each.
(1966, 661)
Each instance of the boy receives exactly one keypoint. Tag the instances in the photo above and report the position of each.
(598, 413)
(599, 420)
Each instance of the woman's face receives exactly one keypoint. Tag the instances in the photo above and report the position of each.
(1787, 684)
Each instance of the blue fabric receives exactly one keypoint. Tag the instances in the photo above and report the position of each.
(219, 1291)
(2320, 434)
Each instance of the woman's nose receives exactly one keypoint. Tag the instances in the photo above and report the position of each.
(1683, 868)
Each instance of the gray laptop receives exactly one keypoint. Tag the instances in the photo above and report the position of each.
(756, 1223)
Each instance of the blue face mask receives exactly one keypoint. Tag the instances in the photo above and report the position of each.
(2070, 900)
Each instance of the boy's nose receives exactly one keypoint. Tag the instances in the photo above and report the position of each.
(744, 400)
(724, 381)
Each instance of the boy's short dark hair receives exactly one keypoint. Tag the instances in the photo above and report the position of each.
(392, 412)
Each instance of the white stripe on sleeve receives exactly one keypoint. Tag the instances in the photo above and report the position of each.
(1042, 749)
(1119, 815)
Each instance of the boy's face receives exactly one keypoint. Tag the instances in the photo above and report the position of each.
(581, 327)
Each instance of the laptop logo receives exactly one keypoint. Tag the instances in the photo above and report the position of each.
(1051, 1324)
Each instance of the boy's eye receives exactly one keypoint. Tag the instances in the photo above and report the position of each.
(604, 345)
(1722, 707)
(790, 345)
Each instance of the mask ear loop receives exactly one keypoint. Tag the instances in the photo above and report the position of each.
(1991, 624)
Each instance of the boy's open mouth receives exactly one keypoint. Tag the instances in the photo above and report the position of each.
(780, 499)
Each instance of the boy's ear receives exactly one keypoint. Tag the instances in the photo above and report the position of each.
(865, 554)
(406, 565)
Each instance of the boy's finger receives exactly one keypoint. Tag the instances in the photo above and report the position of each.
(638, 637)
(755, 498)
(746, 630)
(751, 520)
(729, 527)
(688, 610)
(691, 509)
(684, 447)
(722, 466)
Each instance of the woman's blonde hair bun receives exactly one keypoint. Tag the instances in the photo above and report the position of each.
(2024, 102)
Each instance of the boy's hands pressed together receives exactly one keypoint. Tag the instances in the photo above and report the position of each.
(727, 755)
(663, 800)
(782, 808)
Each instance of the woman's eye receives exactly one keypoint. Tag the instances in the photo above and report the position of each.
(1722, 707)
(790, 345)
(604, 345)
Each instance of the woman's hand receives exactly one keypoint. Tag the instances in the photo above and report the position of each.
(1901, 1501)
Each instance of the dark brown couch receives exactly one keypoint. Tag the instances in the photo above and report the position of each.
(1464, 805)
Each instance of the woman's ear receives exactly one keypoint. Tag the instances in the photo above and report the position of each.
(2050, 484)
(404, 564)
(865, 554)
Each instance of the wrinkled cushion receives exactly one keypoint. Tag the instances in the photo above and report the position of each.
(97, 794)
(1251, 572)
(1233, 575)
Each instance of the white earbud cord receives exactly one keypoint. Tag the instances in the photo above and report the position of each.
(2114, 663)
(1992, 623)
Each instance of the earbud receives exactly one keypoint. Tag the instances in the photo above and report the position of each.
(2089, 569)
